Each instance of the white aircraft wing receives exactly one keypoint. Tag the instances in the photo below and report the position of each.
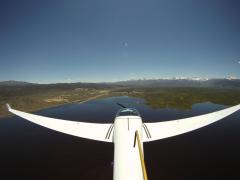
(161, 130)
(94, 131)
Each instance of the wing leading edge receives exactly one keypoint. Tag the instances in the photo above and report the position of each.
(94, 131)
(161, 130)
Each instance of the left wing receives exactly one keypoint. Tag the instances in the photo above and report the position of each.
(94, 131)
(165, 129)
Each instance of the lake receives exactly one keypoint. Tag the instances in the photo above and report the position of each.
(29, 151)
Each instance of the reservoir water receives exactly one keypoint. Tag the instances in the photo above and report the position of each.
(29, 151)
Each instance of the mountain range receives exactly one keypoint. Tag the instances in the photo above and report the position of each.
(161, 82)
(182, 82)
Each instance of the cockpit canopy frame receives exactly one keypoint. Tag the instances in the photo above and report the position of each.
(127, 112)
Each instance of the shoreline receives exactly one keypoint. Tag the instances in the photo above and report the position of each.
(178, 98)
(57, 105)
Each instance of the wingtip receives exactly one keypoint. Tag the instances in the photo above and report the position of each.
(8, 107)
(238, 106)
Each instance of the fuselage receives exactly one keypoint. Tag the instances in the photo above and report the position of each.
(127, 163)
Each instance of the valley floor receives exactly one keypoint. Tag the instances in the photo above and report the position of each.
(182, 98)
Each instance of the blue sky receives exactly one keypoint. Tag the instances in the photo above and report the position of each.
(109, 40)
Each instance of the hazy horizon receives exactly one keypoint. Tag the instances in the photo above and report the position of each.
(150, 78)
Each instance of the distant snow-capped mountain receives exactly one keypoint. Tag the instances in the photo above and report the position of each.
(149, 82)
(182, 82)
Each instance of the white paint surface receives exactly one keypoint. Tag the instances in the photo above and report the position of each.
(161, 130)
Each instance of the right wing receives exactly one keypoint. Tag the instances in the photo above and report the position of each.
(94, 131)
(161, 130)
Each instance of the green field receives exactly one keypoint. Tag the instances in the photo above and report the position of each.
(184, 98)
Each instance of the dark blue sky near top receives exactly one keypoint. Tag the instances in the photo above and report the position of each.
(109, 40)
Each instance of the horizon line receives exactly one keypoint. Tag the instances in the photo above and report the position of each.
(133, 79)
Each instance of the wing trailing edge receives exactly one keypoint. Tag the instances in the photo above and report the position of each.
(93, 131)
(161, 130)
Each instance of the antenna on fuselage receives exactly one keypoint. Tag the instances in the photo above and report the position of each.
(121, 105)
